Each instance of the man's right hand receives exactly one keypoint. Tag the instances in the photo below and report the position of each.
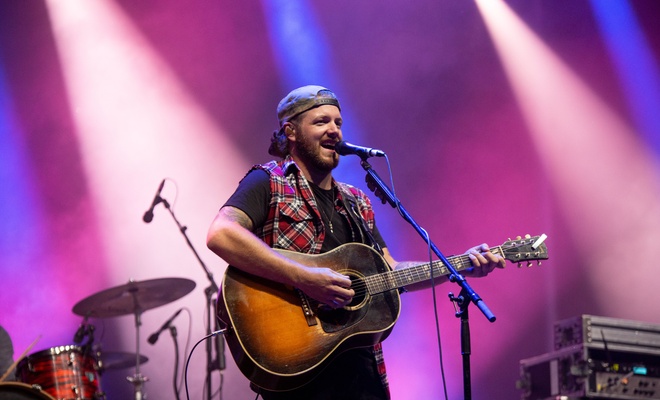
(326, 286)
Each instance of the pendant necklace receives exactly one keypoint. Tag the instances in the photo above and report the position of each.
(332, 230)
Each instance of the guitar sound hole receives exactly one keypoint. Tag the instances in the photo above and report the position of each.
(359, 286)
(336, 320)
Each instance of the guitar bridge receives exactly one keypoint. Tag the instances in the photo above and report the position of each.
(306, 308)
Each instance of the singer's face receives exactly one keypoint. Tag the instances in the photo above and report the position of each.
(316, 133)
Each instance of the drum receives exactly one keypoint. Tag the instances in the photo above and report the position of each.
(22, 391)
(64, 372)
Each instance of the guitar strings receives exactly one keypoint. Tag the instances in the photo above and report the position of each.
(379, 283)
(460, 262)
(397, 279)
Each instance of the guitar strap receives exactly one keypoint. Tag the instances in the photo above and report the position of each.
(356, 217)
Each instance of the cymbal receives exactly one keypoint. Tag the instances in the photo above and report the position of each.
(118, 360)
(133, 297)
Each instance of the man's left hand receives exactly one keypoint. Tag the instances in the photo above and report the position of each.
(483, 261)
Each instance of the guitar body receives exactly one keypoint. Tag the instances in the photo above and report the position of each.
(281, 339)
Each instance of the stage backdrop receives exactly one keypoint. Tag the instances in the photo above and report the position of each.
(498, 118)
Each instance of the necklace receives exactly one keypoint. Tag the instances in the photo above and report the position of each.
(332, 204)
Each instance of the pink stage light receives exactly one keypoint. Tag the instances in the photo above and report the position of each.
(137, 124)
(604, 176)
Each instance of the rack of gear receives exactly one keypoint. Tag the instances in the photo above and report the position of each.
(596, 358)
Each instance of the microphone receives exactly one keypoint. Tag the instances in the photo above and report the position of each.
(345, 148)
(154, 336)
(149, 215)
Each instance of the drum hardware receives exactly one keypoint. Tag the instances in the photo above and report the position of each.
(85, 330)
(134, 297)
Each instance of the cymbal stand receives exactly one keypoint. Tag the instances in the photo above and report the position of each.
(137, 379)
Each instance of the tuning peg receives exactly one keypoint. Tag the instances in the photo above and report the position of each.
(519, 265)
(529, 264)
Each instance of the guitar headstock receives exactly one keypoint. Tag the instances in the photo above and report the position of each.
(526, 249)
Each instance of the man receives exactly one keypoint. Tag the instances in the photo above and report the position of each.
(295, 204)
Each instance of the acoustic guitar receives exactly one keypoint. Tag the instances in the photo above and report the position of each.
(281, 339)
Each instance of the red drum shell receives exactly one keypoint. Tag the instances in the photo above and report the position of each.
(64, 372)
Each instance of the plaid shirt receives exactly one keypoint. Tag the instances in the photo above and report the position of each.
(294, 220)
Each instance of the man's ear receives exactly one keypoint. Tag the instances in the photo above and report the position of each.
(290, 131)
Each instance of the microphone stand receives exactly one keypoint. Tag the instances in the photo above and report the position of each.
(209, 292)
(467, 295)
(466, 350)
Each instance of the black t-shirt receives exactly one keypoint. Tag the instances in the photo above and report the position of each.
(353, 375)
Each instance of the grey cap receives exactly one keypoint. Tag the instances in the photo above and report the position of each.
(304, 99)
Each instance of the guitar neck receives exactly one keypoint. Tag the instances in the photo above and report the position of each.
(399, 278)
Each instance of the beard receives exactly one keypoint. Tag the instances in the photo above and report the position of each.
(310, 153)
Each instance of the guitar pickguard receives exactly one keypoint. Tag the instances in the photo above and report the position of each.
(337, 320)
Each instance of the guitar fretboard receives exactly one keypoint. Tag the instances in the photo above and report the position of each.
(383, 282)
